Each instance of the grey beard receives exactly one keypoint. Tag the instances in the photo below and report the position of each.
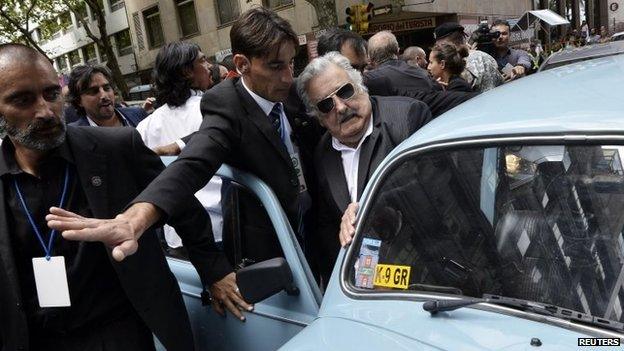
(27, 137)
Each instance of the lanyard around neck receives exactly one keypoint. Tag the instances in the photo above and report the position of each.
(47, 248)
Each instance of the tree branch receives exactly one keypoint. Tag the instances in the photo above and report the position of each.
(22, 30)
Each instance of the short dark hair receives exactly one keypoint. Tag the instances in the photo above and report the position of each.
(79, 80)
(228, 62)
(24, 52)
(501, 22)
(260, 31)
(334, 39)
(172, 85)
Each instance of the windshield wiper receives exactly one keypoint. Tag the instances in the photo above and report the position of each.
(435, 306)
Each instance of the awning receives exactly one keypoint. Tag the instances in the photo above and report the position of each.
(543, 17)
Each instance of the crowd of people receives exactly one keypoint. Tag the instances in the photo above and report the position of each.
(315, 140)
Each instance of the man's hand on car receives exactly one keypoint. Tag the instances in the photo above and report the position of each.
(347, 225)
(225, 293)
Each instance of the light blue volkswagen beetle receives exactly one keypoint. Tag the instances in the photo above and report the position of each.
(498, 226)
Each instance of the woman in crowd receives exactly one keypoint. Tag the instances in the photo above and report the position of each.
(446, 63)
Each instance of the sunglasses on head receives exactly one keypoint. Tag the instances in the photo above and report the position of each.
(345, 92)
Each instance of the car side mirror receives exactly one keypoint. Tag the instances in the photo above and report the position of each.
(264, 279)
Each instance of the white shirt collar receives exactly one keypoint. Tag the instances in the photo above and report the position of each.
(124, 121)
(338, 146)
(264, 104)
(195, 92)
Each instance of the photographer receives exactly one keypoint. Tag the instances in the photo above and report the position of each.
(518, 59)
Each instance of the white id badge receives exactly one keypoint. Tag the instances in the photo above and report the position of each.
(51, 281)
(296, 161)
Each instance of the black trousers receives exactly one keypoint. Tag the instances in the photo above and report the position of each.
(127, 334)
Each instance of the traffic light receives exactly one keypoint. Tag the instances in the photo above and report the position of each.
(352, 19)
(365, 12)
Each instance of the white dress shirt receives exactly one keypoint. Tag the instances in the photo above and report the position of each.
(351, 160)
(167, 125)
(267, 107)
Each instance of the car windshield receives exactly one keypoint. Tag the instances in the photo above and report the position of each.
(541, 223)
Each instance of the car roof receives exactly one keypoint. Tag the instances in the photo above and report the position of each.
(617, 34)
(584, 53)
(582, 97)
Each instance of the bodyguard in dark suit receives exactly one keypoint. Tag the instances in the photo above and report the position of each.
(383, 50)
(103, 304)
(246, 124)
(92, 95)
(361, 131)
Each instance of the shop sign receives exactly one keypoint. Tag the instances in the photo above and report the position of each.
(220, 55)
(404, 25)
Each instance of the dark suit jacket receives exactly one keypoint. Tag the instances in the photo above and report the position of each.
(125, 166)
(133, 115)
(236, 131)
(394, 119)
(438, 101)
(404, 77)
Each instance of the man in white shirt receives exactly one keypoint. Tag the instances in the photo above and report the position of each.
(182, 73)
(361, 131)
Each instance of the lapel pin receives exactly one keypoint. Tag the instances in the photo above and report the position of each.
(96, 181)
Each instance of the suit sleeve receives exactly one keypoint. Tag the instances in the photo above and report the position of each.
(205, 152)
(192, 222)
(419, 115)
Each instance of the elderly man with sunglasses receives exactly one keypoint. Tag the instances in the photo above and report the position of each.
(361, 131)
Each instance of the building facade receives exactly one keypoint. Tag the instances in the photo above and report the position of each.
(208, 22)
(68, 45)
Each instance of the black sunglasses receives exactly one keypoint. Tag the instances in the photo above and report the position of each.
(345, 92)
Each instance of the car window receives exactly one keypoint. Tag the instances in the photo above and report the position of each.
(237, 216)
(542, 223)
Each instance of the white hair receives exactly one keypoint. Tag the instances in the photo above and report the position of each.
(320, 65)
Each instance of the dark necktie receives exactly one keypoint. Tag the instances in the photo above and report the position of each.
(275, 118)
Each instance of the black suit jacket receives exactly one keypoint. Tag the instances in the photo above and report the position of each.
(133, 115)
(394, 119)
(404, 77)
(236, 131)
(439, 101)
(125, 166)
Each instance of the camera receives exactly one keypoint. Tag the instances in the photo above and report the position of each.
(484, 38)
(483, 34)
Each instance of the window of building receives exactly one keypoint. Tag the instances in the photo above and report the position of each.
(81, 12)
(88, 52)
(123, 43)
(276, 3)
(103, 56)
(50, 29)
(228, 10)
(187, 17)
(151, 18)
(74, 58)
(61, 63)
(116, 5)
(101, 7)
(66, 21)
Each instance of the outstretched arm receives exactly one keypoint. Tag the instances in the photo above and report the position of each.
(120, 233)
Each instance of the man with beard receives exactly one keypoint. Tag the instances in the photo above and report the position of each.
(361, 131)
(67, 295)
(92, 95)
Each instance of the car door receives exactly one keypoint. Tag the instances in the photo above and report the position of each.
(274, 320)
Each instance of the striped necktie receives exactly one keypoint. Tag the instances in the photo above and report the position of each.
(275, 118)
